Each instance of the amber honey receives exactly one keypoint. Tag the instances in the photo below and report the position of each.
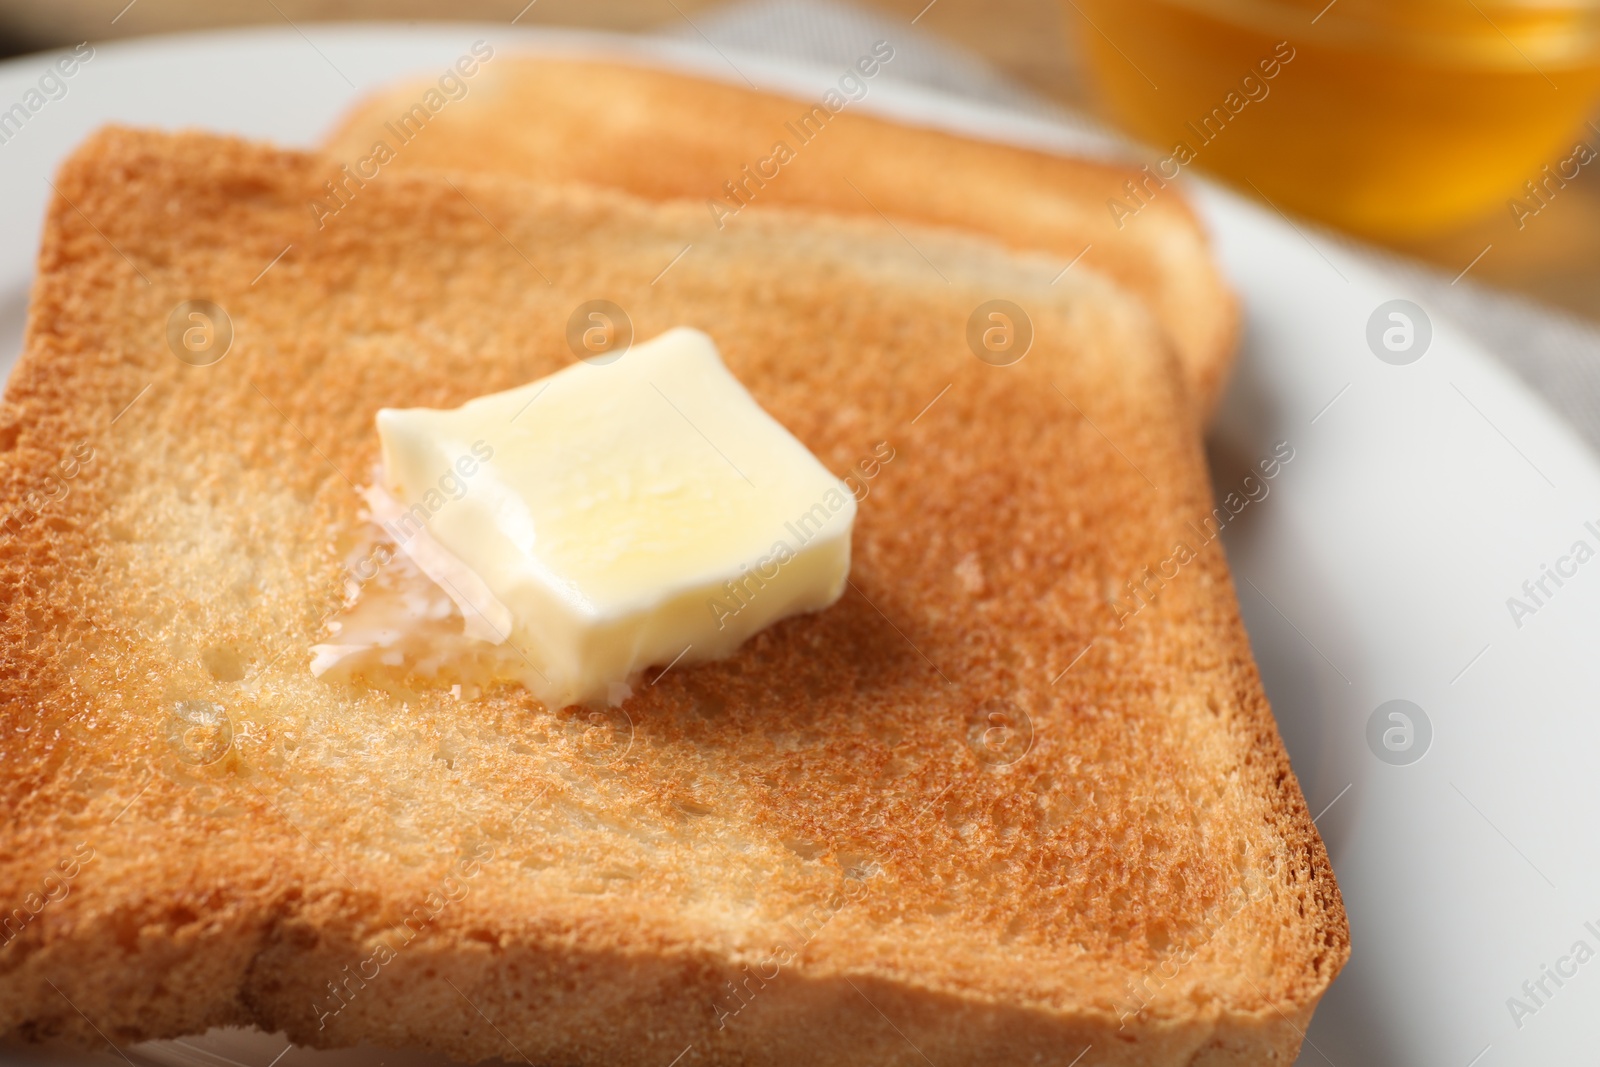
(1394, 118)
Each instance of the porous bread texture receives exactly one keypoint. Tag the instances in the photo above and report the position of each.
(821, 851)
(661, 134)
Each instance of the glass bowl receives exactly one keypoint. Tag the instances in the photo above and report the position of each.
(1395, 119)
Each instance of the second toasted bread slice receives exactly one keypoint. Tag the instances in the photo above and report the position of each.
(661, 134)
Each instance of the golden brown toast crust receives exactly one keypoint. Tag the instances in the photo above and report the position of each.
(660, 135)
(814, 852)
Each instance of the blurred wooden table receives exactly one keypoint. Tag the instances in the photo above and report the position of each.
(1555, 258)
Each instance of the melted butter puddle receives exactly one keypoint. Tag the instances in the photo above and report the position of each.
(422, 613)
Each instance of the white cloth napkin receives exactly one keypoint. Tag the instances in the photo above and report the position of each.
(1556, 353)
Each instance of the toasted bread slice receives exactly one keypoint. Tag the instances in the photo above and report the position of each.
(660, 135)
(963, 814)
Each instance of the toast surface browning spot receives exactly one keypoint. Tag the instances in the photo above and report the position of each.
(664, 135)
(823, 850)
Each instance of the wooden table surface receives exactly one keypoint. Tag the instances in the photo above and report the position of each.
(1555, 258)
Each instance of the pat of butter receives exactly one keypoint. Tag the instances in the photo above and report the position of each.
(642, 512)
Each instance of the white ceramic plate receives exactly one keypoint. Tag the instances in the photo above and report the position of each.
(1419, 499)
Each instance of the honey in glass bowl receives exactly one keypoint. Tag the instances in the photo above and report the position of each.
(1393, 118)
